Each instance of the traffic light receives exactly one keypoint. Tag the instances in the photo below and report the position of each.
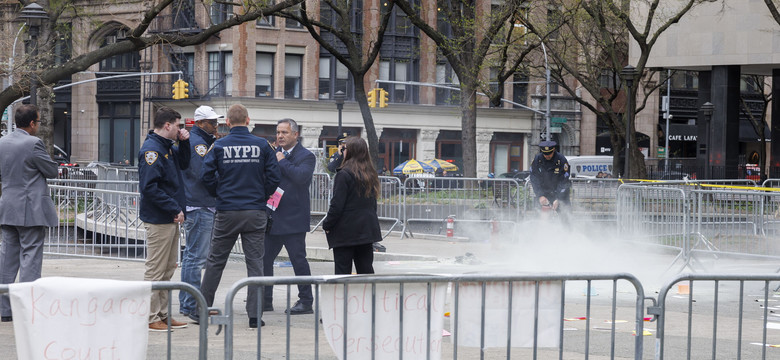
(372, 98)
(180, 90)
(383, 99)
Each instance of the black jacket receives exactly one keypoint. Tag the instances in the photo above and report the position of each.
(160, 178)
(551, 178)
(241, 171)
(197, 195)
(294, 214)
(351, 218)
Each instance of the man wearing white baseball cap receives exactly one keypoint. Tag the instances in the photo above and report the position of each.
(201, 207)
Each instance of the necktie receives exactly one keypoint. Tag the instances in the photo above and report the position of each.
(285, 152)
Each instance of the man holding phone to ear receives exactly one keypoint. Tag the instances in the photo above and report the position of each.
(163, 201)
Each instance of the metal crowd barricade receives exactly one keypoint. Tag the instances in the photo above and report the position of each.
(594, 198)
(771, 183)
(655, 215)
(486, 201)
(96, 223)
(320, 192)
(737, 222)
(390, 202)
(709, 332)
(493, 316)
(169, 286)
(115, 185)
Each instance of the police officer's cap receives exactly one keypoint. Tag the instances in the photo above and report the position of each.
(547, 147)
(342, 137)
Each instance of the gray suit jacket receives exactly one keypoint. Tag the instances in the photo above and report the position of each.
(24, 167)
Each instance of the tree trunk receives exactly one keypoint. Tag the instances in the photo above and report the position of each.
(46, 109)
(368, 120)
(468, 108)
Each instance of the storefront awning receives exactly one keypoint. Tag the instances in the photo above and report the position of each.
(747, 133)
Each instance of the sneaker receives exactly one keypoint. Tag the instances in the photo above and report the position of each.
(300, 309)
(253, 323)
(158, 326)
(175, 324)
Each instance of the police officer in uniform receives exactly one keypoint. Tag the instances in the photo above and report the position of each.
(337, 157)
(550, 177)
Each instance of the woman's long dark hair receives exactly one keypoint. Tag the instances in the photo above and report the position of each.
(359, 163)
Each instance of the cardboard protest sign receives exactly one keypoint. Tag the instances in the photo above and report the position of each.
(469, 314)
(387, 310)
(72, 318)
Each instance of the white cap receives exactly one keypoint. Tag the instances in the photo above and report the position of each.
(205, 113)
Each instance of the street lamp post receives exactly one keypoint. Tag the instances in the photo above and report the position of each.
(339, 96)
(706, 109)
(547, 81)
(33, 14)
(10, 125)
(628, 73)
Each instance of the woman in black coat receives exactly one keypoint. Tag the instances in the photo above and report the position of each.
(351, 225)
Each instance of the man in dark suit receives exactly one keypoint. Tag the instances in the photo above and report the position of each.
(26, 208)
(292, 217)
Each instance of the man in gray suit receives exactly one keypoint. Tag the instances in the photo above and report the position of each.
(26, 208)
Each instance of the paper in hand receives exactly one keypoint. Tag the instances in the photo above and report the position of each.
(276, 197)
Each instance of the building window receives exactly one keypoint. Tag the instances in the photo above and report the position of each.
(264, 74)
(221, 73)
(446, 76)
(218, 12)
(268, 20)
(334, 76)
(185, 62)
(685, 80)
(520, 88)
(397, 70)
(293, 24)
(554, 21)
(494, 71)
(609, 79)
(293, 67)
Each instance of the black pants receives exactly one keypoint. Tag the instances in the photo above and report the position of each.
(296, 249)
(250, 224)
(362, 255)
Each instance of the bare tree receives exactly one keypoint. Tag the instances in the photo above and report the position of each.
(593, 49)
(46, 72)
(350, 53)
(468, 47)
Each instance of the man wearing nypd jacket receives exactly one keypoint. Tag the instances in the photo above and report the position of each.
(200, 207)
(160, 165)
(241, 170)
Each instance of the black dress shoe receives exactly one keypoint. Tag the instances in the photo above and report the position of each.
(253, 323)
(300, 309)
(6, 319)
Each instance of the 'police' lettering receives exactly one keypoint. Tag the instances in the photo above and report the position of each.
(595, 168)
(241, 152)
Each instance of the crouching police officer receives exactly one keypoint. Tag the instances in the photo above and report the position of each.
(550, 177)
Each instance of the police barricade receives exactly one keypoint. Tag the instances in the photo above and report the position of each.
(771, 183)
(594, 199)
(390, 202)
(691, 324)
(96, 223)
(691, 185)
(654, 215)
(736, 222)
(115, 185)
(485, 203)
(408, 316)
(89, 316)
(320, 192)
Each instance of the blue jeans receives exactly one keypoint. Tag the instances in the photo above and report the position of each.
(199, 225)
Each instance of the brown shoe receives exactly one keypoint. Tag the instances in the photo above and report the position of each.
(175, 324)
(158, 326)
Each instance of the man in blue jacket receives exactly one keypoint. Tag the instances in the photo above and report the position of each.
(200, 206)
(292, 218)
(242, 172)
(160, 165)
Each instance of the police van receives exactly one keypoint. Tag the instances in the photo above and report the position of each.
(590, 166)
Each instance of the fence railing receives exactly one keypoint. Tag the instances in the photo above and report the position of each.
(511, 316)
